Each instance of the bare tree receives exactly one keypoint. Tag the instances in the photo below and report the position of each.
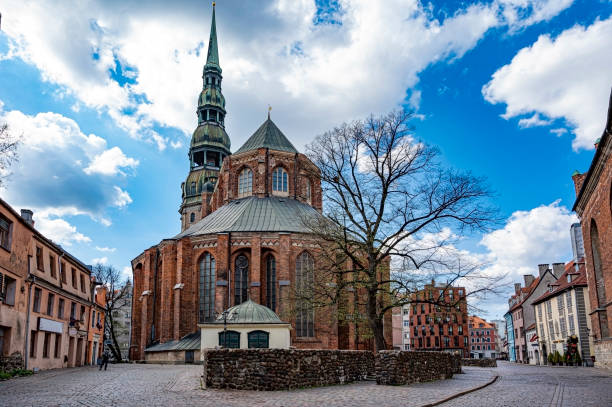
(392, 212)
(117, 290)
(8, 150)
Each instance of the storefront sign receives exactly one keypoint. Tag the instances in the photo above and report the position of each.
(50, 325)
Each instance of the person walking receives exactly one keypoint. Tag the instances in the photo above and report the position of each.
(105, 358)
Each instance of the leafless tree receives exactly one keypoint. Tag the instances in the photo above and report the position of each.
(8, 150)
(392, 213)
(117, 290)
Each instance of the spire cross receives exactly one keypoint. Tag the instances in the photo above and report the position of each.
(269, 110)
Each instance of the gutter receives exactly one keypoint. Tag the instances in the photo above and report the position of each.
(31, 279)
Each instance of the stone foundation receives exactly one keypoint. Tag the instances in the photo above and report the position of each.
(603, 354)
(399, 368)
(479, 362)
(8, 363)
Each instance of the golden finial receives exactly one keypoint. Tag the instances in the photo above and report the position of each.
(269, 110)
(213, 4)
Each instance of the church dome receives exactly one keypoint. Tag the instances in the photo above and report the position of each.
(250, 312)
(212, 136)
(211, 96)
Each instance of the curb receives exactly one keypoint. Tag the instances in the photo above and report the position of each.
(463, 393)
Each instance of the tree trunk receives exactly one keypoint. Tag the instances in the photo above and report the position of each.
(376, 324)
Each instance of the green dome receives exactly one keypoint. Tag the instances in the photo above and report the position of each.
(211, 96)
(211, 135)
(250, 312)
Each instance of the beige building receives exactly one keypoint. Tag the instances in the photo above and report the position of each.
(47, 312)
(563, 311)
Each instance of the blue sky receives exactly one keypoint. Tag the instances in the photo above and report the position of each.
(105, 97)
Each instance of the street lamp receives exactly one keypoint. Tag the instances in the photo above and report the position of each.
(227, 316)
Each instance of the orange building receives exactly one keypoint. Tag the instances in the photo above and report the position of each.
(482, 338)
(46, 298)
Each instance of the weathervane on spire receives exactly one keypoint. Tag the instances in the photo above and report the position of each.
(269, 110)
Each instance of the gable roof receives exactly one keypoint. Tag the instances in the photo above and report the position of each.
(475, 320)
(527, 291)
(562, 284)
(267, 136)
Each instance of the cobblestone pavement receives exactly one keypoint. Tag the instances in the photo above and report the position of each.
(163, 385)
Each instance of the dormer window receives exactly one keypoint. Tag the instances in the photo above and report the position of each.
(280, 180)
(193, 188)
(245, 182)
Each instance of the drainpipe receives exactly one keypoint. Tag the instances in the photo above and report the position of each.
(155, 294)
(229, 269)
(59, 267)
(30, 280)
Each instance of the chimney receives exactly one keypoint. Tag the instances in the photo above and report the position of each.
(578, 179)
(528, 279)
(558, 269)
(517, 287)
(27, 215)
(542, 268)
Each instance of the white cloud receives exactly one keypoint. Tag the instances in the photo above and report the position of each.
(60, 169)
(564, 77)
(122, 198)
(271, 53)
(99, 260)
(110, 162)
(127, 272)
(106, 249)
(559, 132)
(529, 238)
(59, 230)
(533, 121)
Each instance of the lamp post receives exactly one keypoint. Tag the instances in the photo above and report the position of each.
(226, 315)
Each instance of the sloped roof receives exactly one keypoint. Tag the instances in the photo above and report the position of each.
(561, 285)
(250, 312)
(475, 320)
(527, 291)
(253, 214)
(187, 342)
(267, 136)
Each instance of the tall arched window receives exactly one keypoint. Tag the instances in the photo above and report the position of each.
(245, 182)
(192, 217)
(207, 288)
(271, 283)
(193, 188)
(241, 276)
(600, 287)
(280, 180)
(304, 281)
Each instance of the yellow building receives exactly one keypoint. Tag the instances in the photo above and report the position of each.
(563, 311)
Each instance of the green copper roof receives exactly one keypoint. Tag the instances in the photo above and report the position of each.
(267, 136)
(212, 59)
(211, 96)
(211, 135)
(250, 312)
(253, 214)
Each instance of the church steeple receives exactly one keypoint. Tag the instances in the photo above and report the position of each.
(210, 144)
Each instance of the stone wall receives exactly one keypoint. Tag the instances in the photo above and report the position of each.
(479, 362)
(8, 363)
(279, 369)
(398, 368)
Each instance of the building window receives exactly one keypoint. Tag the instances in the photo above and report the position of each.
(58, 346)
(33, 343)
(241, 277)
(60, 309)
(72, 312)
(93, 318)
(74, 283)
(280, 180)
(39, 259)
(192, 217)
(599, 282)
(193, 188)
(258, 339)
(5, 232)
(568, 298)
(52, 266)
(8, 287)
(245, 182)
(83, 286)
(63, 272)
(229, 339)
(46, 341)
(37, 295)
(207, 288)
(50, 304)
(271, 283)
(304, 281)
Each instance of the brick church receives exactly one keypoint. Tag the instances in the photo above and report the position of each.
(242, 237)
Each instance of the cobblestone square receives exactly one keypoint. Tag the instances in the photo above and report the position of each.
(178, 385)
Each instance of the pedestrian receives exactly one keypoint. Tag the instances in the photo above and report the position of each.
(105, 358)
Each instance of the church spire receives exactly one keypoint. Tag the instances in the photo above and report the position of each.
(212, 59)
